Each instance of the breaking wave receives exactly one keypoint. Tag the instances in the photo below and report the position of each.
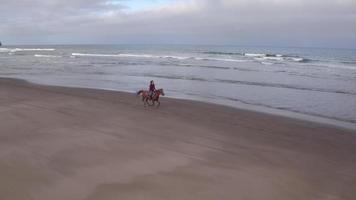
(47, 56)
(156, 56)
(275, 57)
(221, 53)
(260, 56)
(12, 50)
(127, 55)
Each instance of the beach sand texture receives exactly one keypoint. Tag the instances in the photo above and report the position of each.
(61, 143)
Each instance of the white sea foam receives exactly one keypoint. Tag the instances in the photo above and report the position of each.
(35, 49)
(273, 57)
(279, 58)
(270, 58)
(115, 55)
(176, 57)
(266, 63)
(226, 60)
(138, 55)
(4, 50)
(255, 54)
(155, 56)
(94, 55)
(47, 56)
(217, 59)
(12, 50)
(130, 55)
(259, 57)
(297, 59)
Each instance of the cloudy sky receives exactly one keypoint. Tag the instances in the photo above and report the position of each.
(319, 23)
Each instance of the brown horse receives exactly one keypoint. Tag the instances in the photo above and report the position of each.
(146, 98)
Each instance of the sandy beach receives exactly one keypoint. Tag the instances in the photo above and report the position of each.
(61, 143)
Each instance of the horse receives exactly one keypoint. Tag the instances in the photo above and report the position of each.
(155, 97)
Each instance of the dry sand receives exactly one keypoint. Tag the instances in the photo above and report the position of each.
(83, 144)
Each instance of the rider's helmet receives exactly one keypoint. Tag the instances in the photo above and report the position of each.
(151, 82)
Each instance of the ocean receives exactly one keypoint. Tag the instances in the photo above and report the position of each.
(312, 82)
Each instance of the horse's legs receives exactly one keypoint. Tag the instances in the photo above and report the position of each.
(158, 103)
(150, 101)
(144, 101)
(147, 99)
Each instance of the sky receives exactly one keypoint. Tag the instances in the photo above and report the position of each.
(309, 23)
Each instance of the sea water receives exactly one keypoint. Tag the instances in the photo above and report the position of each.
(309, 81)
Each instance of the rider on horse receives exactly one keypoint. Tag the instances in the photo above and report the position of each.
(152, 95)
(152, 89)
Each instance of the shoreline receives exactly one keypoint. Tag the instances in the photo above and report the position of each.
(238, 105)
(87, 144)
(308, 89)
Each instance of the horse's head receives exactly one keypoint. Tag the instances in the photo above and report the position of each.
(161, 91)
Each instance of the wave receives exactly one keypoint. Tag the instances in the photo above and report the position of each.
(47, 56)
(260, 84)
(221, 53)
(241, 54)
(156, 57)
(266, 59)
(275, 57)
(255, 54)
(277, 85)
(12, 50)
(175, 57)
(349, 62)
(267, 63)
(299, 59)
(270, 58)
(93, 55)
(191, 78)
(127, 55)
(259, 56)
(203, 66)
(286, 109)
(218, 59)
(336, 65)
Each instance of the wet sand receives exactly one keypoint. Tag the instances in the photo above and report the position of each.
(83, 144)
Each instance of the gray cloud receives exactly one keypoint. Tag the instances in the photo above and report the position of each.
(243, 22)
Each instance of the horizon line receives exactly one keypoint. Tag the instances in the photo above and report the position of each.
(175, 44)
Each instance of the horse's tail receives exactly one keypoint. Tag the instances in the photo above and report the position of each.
(139, 92)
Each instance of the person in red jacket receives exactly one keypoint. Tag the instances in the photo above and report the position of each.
(152, 89)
